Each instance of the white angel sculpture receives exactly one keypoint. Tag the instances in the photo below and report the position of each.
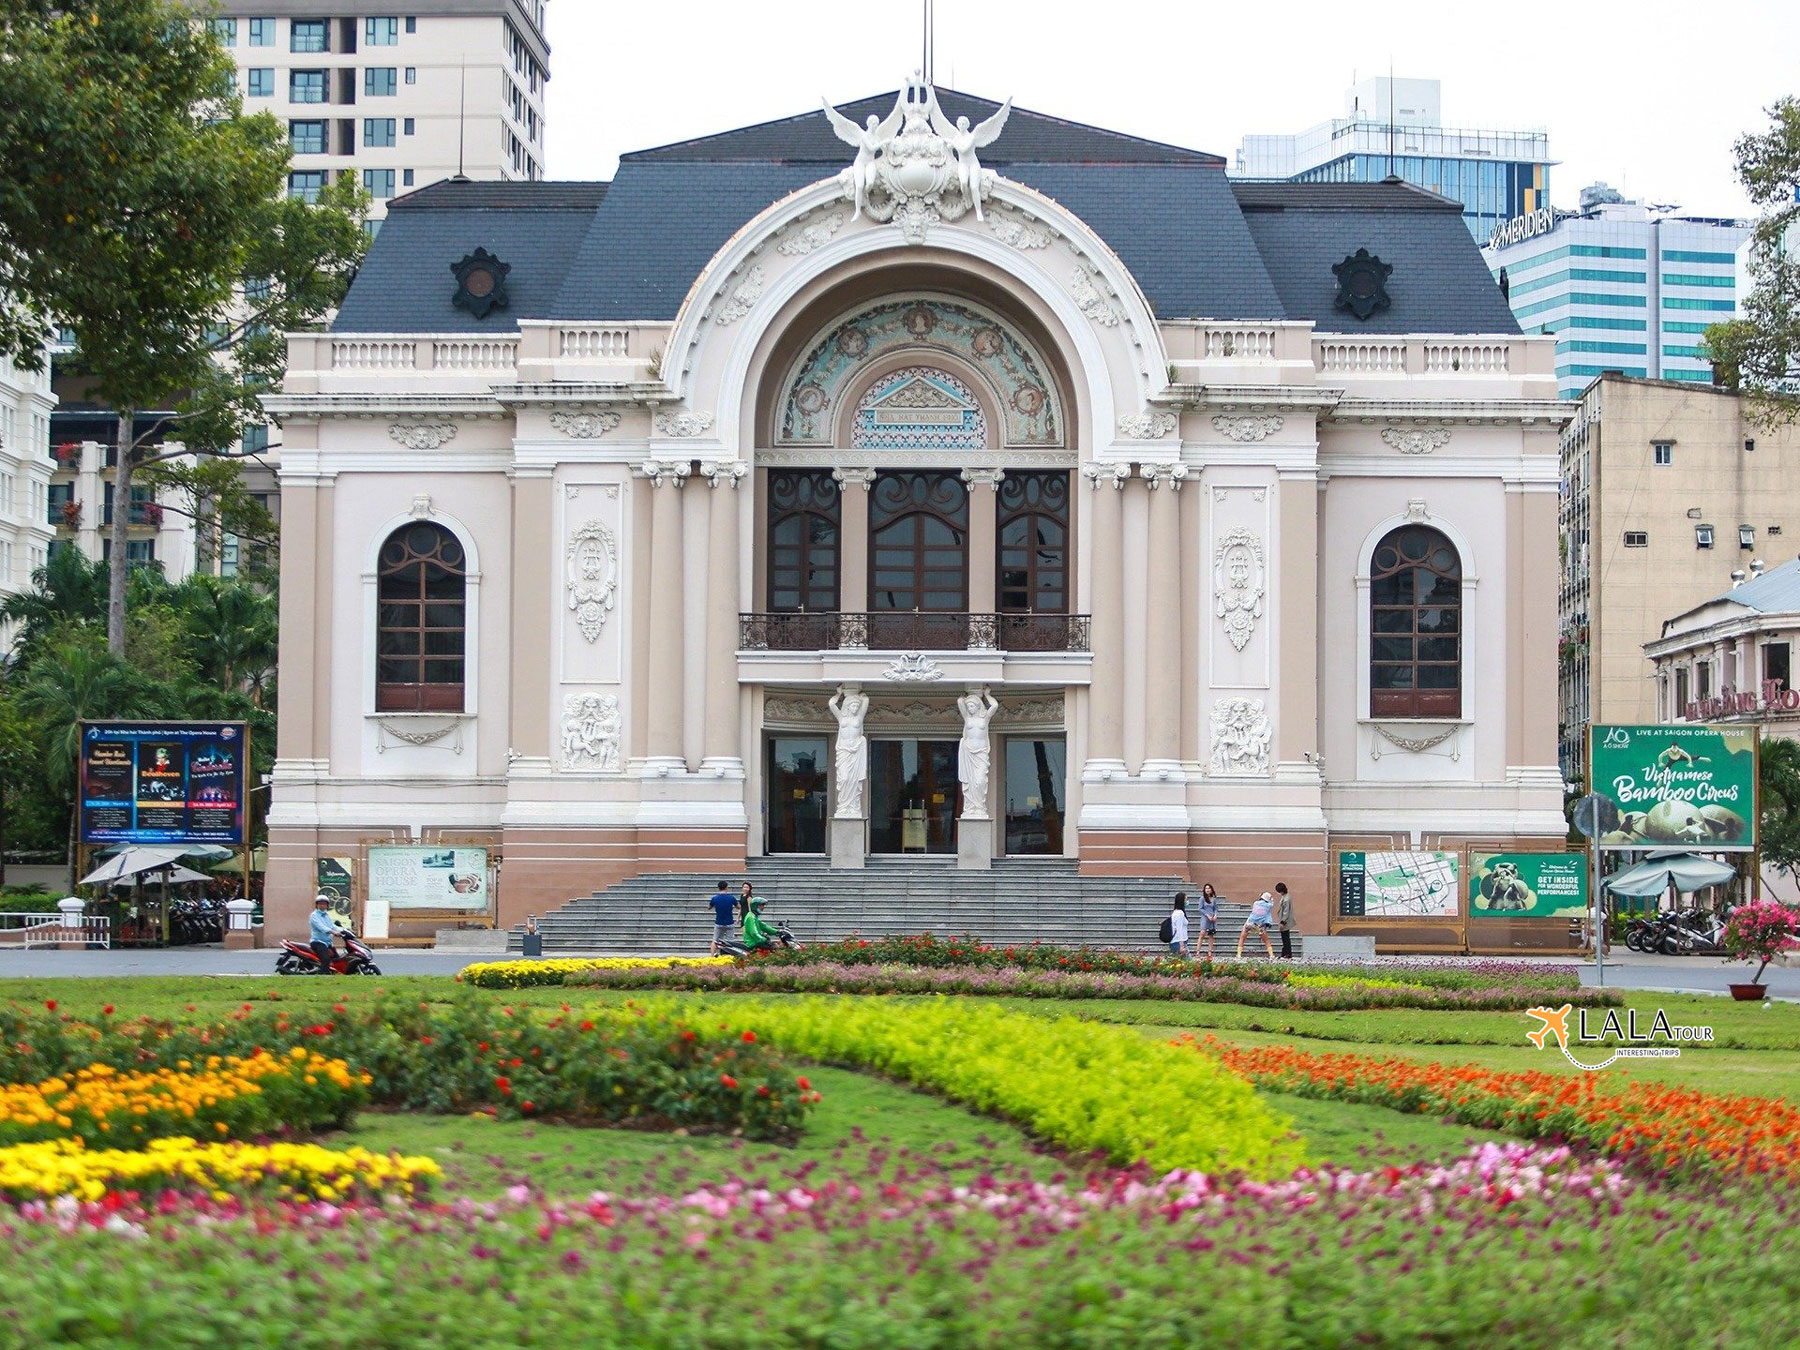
(965, 141)
(868, 140)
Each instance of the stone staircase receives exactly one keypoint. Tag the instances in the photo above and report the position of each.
(1017, 901)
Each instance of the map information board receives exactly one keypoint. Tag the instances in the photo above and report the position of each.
(1398, 886)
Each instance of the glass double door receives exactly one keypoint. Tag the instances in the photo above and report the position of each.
(914, 796)
(798, 780)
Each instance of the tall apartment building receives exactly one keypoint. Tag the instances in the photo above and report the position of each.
(1395, 127)
(1623, 286)
(400, 97)
(1667, 490)
(25, 465)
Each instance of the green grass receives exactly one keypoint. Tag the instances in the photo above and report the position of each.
(1350, 1134)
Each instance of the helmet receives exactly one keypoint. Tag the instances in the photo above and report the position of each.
(756, 902)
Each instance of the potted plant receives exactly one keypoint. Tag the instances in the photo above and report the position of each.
(1759, 931)
(71, 514)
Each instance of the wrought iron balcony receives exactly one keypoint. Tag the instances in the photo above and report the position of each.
(912, 631)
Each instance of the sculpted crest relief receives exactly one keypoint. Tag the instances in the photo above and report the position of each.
(1240, 738)
(591, 574)
(590, 732)
(1238, 584)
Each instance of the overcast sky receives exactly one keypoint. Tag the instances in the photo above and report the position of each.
(1646, 95)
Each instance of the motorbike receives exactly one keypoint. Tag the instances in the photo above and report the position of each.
(735, 946)
(298, 958)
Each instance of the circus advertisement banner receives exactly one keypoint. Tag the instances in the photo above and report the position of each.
(1527, 885)
(1674, 786)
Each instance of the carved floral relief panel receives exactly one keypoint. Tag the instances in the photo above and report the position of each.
(588, 574)
(1240, 603)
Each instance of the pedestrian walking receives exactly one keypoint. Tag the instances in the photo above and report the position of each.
(1175, 927)
(1262, 914)
(724, 906)
(1209, 920)
(1284, 919)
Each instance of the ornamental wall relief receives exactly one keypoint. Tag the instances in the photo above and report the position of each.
(684, 424)
(803, 239)
(422, 435)
(745, 294)
(584, 426)
(1241, 735)
(1238, 584)
(591, 576)
(1416, 440)
(1016, 233)
(1246, 429)
(591, 731)
(1088, 290)
(1147, 426)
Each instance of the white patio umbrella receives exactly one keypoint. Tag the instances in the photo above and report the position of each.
(129, 862)
(1686, 872)
(177, 875)
(203, 851)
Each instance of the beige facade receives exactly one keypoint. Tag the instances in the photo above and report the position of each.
(407, 96)
(1668, 490)
(661, 647)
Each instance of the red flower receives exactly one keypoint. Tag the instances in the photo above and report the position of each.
(527, 1106)
(763, 1091)
(107, 1010)
(587, 1026)
(504, 1084)
(687, 1035)
(804, 1085)
(728, 1080)
(50, 1004)
(481, 1045)
(748, 1037)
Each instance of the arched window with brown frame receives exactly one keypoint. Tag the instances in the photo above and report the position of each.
(919, 560)
(1032, 538)
(804, 510)
(420, 640)
(1415, 625)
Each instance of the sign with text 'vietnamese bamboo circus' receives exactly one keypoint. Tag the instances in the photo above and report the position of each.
(1674, 786)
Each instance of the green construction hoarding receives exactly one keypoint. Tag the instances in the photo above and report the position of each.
(1674, 786)
(1527, 885)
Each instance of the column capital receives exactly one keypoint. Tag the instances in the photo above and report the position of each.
(1157, 474)
(863, 478)
(724, 472)
(992, 477)
(670, 471)
(1113, 475)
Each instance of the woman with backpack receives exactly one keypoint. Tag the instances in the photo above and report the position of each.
(1175, 927)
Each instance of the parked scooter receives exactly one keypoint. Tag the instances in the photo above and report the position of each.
(298, 958)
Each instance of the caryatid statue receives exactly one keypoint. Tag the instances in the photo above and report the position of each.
(974, 754)
(850, 705)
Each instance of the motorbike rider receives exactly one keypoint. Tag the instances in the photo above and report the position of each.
(758, 935)
(323, 931)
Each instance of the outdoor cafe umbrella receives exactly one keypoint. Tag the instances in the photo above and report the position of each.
(1686, 872)
(177, 876)
(131, 861)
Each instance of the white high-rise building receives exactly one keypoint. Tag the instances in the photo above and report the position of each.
(25, 465)
(1623, 285)
(400, 96)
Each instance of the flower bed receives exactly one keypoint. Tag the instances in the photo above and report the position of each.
(1518, 1247)
(614, 1068)
(221, 1097)
(1082, 1086)
(551, 971)
(1317, 993)
(1658, 1126)
(65, 1167)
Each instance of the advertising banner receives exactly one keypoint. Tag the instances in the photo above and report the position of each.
(1675, 786)
(1397, 886)
(163, 782)
(434, 877)
(1527, 885)
(334, 882)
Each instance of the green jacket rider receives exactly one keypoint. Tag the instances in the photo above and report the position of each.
(756, 932)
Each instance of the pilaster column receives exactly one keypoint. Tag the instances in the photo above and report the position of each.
(1106, 596)
(666, 695)
(721, 742)
(1162, 584)
(853, 538)
(984, 525)
(1296, 589)
(695, 561)
(531, 616)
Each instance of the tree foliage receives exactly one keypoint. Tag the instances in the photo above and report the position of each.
(1759, 353)
(144, 209)
(1779, 804)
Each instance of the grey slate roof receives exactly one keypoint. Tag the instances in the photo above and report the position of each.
(1199, 245)
(1439, 285)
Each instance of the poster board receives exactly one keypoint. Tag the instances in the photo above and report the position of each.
(429, 879)
(1413, 886)
(334, 878)
(1528, 886)
(1675, 786)
(163, 782)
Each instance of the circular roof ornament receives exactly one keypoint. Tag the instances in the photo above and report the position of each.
(1362, 283)
(480, 283)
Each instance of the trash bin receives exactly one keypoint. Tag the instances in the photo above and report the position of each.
(533, 944)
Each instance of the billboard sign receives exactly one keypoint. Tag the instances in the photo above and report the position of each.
(164, 782)
(1675, 786)
(1397, 885)
(1527, 885)
(436, 877)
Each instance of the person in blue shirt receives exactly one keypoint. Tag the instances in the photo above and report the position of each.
(322, 931)
(724, 908)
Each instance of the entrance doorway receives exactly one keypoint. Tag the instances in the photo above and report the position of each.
(1036, 771)
(797, 778)
(914, 796)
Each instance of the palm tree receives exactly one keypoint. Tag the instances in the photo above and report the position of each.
(234, 631)
(68, 684)
(66, 589)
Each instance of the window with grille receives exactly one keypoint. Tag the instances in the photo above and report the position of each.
(804, 513)
(420, 639)
(1415, 622)
(1033, 540)
(1637, 539)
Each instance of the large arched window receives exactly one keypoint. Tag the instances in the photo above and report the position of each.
(803, 541)
(420, 630)
(1033, 539)
(1415, 625)
(919, 560)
